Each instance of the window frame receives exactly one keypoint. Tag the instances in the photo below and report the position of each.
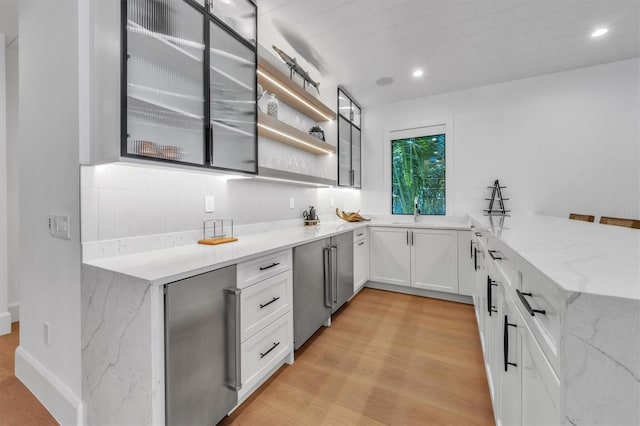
(417, 129)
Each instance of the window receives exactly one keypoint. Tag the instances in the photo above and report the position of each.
(418, 171)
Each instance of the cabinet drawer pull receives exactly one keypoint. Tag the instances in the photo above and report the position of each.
(262, 355)
(506, 344)
(361, 243)
(475, 259)
(478, 234)
(269, 302)
(490, 307)
(262, 268)
(360, 235)
(493, 255)
(527, 306)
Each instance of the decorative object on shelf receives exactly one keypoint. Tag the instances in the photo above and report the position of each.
(214, 233)
(260, 92)
(310, 217)
(317, 132)
(350, 216)
(150, 149)
(272, 106)
(496, 195)
(295, 67)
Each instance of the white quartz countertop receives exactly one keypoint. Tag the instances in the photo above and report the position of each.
(171, 264)
(579, 256)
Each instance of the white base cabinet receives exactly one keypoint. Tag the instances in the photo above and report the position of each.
(434, 259)
(426, 259)
(360, 258)
(390, 256)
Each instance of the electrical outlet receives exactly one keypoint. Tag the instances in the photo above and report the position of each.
(291, 203)
(333, 203)
(209, 204)
(59, 226)
(46, 333)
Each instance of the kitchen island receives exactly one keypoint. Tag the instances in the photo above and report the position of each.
(594, 268)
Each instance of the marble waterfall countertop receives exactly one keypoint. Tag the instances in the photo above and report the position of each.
(579, 256)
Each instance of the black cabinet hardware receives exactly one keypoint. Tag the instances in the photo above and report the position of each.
(490, 307)
(262, 268)
(407, 237)
(475, 259)
(493, 255)
(269, 302)
(360, 235)
(275, 345)
(411, 237)
(506, 344)
(361, 243)
(527, 306)
(471, 248)
(478, 234)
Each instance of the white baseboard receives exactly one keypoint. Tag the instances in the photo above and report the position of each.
(63, 405)
(5, 323)
(14, 310)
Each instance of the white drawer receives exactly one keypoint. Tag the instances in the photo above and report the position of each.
(504, 259)
(256, 270)
(264, 302)
(542, 294)
(360, 235)
(262, 352)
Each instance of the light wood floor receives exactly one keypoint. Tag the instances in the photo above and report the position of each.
(18, 406)
(387, 359)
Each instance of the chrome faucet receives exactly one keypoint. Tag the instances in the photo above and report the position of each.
(416, 212)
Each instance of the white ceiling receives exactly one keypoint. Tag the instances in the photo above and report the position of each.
(9, 19)
(459, 43)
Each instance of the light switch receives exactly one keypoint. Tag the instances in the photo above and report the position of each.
(291, 203)
(209, 204)
(59, 226)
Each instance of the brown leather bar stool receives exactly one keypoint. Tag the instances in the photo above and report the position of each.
(617, 221)
(585, 217)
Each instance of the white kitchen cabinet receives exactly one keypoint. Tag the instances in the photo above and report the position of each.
(510, 405)
(434, 259)
(390, 260)
(419, 258)
(540, 384)
(465, 263)
(360, 258)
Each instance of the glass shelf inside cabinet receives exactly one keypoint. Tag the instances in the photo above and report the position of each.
(165, 102)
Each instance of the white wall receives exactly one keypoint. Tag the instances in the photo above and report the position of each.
(13, 153)
(564, 142)
(49, 183)
(5, 317)
(120, 200)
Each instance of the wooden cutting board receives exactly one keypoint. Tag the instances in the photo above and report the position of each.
(216, 241)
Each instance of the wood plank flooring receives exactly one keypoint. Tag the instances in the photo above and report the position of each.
(18, 406)
(387, 359)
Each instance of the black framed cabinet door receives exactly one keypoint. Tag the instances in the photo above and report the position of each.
(163, 97)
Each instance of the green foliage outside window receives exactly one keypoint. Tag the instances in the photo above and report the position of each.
(418, 170)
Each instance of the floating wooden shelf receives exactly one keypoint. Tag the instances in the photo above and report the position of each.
(272, 128)
(273, 80)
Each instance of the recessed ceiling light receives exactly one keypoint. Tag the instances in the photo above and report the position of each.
(384, 81)
(418, 73)
(599, 32)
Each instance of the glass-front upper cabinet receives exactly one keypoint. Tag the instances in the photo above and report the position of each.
(239, 15)
(164, 91)
(349, 141)
(190, 87)
(232, 91)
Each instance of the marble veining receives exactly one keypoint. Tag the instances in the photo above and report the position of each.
(602, 361)
(116, 348)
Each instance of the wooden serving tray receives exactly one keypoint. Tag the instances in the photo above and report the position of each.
(216, 241)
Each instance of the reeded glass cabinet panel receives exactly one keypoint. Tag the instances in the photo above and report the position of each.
(344, 152)
(164, 96)
(356, 159)
(240, 15)
(232, 87)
